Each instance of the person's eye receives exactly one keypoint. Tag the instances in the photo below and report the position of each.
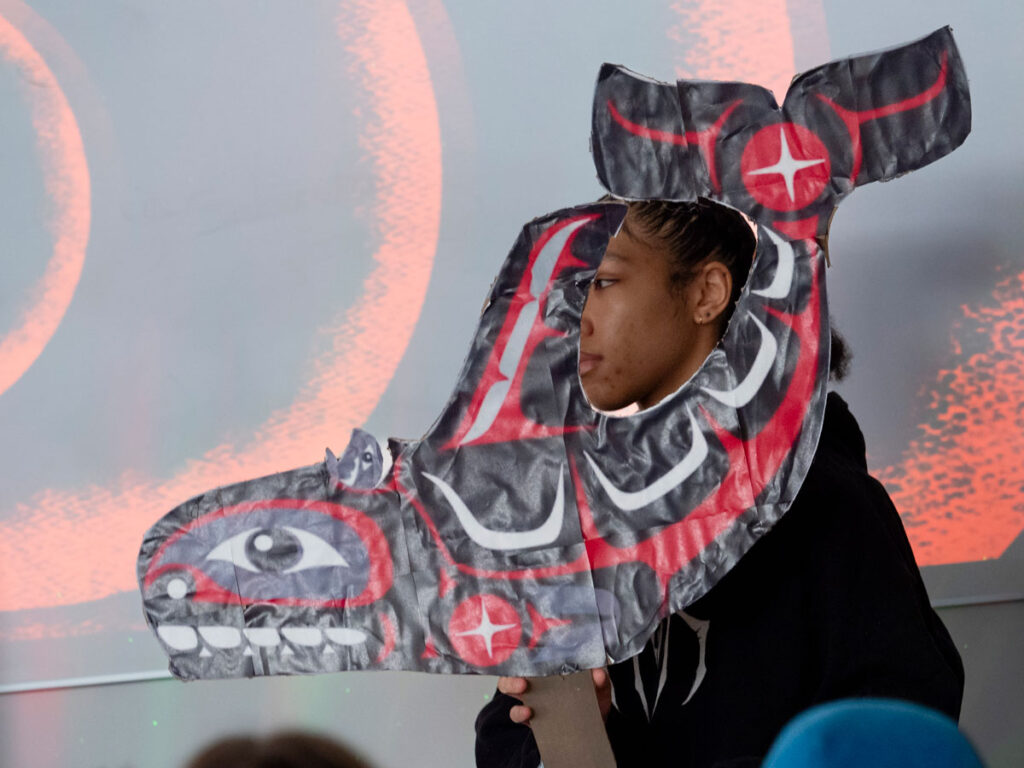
(603, 282)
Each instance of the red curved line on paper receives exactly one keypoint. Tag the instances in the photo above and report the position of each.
(66, 547)
(653, 134)
(389, 637)
(958, 483)
(705, 139)
(853, 119)
(913, 102)
(66, 180)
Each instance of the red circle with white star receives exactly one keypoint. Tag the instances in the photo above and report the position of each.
(785, 167)
(485, 630)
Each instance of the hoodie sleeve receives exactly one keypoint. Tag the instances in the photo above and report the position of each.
(500, 743)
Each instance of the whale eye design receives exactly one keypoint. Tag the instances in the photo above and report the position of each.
(281, 549)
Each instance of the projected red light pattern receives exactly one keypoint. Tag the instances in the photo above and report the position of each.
(65, 547)
(735, 40)
(66, 178)
(960, 486)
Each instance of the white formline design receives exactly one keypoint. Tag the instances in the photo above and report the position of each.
(487, 538)
(631, 500)
(700, 628)
(744, 392)
(783, 279)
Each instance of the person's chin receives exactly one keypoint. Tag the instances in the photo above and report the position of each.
(606, 404)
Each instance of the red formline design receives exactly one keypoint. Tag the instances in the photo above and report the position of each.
(666, 137)
(510, 423)
(541, 624)
(705, 140)
(853, 119)
(389, 637)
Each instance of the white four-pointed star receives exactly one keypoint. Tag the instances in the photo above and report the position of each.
(486, 629)
(787, 166)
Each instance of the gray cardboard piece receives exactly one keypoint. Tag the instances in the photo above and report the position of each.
(567, 722)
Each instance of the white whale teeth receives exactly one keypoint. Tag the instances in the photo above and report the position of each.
(309, 636)
(263, 636)
(221, 637)
(178, 637)
(345, 635)
(184, 638)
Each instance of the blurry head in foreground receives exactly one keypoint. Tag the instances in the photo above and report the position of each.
(282, 750)
(880, 733)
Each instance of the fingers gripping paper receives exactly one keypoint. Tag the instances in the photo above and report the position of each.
(525, 533)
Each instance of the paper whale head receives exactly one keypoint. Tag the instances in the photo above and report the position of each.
(525, 533)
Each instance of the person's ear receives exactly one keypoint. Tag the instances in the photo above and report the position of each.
(714, 290)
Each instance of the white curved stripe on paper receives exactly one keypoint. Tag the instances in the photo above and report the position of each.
(783, 279)
(631, 500)
(544, 534)
(744, 392)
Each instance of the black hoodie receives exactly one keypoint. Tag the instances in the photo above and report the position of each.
(829, 604)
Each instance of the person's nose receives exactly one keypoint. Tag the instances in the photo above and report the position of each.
(586, 324)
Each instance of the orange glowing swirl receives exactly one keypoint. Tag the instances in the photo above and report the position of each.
(66, 178)
(958, 483)
(66, 547)
(735, 40)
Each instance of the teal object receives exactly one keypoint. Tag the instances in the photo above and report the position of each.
(881, 733)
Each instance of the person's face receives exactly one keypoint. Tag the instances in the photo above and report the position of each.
(639, 341)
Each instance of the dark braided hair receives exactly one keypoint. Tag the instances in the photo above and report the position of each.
(696, 232)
